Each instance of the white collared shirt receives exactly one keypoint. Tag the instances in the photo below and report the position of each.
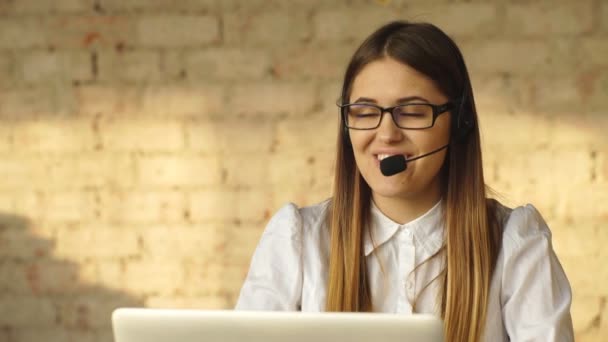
(529, 297)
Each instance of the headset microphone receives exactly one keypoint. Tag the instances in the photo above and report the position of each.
(394, 164)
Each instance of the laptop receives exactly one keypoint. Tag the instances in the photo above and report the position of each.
(167, 325)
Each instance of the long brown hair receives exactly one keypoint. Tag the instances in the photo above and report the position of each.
(472, 237)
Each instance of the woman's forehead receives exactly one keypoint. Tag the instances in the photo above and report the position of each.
(387, 79)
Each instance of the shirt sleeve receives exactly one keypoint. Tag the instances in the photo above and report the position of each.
(536, 294)
(274, 280)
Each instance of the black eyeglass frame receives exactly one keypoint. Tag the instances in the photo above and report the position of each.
(437, 110)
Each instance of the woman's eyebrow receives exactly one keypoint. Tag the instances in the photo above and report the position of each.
(412, 98)
(399, 100)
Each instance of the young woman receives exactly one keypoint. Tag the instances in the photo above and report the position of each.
(409, 228)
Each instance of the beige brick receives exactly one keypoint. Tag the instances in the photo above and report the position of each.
(115, 100)
(91, 169)
(603, 13)
(299, 194)
(231, 136)
(459, 19)
(19, 171)
(153, 277)
(546, 167)
(246, 169)
(548, 18)
(88, 311)
(200, 100)
(66, 206)
(292, 168)
(597, 98)
(593, 334)
(536, 56)
(134, 205)
(578, 238)
(129, 66)
(201, 303)
(157, 5)
(501, 94)
(338, 24)
(54, 135)
(557, 95)
(18, 245)
(140, 134)
(56, 334)
(64, 66)
(225, 205)
(22, 33)
(86, 31)
(180, 242)
(177, 31)
(6, 136)
(214, 280)
(601, 169)
(110, 273)
(44, 7)
(96, 241)
(27, 102)
(330, 93)
(176, 170)
(51, 277)
(26, 311)
(227, 64)
(13, 278)
(264, 5)
(242, 241)
(265, 28)
(595, 51)
(585, 309)
(585, 280)
(570, 197)
(321, 62)
(295, 135)
(500, 128)
(585, 128)
(272, 98)
(7, 69)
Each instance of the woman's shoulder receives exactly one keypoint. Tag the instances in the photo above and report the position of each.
(297, 219)
(520, 224)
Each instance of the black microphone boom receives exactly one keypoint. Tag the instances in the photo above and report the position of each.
(394, 164)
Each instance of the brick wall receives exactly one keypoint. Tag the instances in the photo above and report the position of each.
(144, 144)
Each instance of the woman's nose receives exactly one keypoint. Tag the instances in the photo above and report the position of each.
(388, 132)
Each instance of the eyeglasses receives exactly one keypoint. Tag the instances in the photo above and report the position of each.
(406, 116)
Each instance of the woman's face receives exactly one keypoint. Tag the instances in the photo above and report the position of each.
(386, 82)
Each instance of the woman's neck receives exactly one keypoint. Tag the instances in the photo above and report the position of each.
(407, 208)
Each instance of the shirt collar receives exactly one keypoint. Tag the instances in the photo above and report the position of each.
(426, 229)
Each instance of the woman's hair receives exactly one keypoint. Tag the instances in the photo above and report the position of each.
(472, 237)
